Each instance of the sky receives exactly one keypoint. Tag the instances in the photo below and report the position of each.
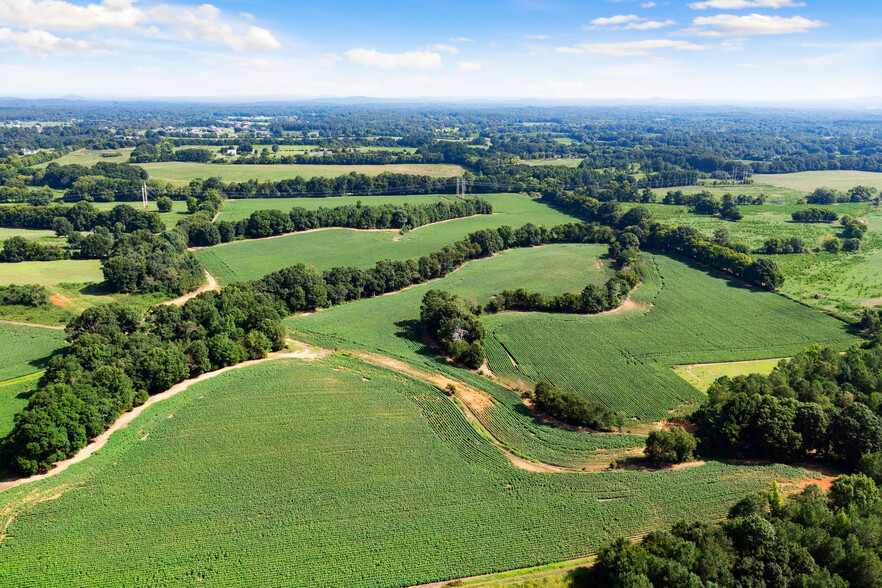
(705, 50)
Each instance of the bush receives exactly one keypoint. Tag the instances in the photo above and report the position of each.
(573, 409)
(670, 446)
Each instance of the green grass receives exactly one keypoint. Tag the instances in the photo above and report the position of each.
(703, 375)
(182, 172)
(234, 210)
(44, 236)
(51, 272)
(178, 211)
(562, 161)
(89, 157)
(622, 359)
(773, 194)
(327, 473)
(26, 350)
(246, 260)
(806, 182)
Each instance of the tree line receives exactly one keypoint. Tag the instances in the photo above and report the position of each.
(810, 540)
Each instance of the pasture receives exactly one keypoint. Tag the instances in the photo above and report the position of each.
(246, 260)
(702, 375)
(807, 181)
(561, 161)
(177, 172)
(178, 211)
(90, 157)
(14, 395)
(247, 479)
(51, 272)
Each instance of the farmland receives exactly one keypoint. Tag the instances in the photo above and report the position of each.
(704, 374)
(234, 210)
(178, 172)
(178, 211)
(89, 157)
(807, 181)
(687, 322)
(344, 247)
(25, 350)
(51, 272)
(256, 469)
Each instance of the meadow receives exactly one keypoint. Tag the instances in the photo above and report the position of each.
(807, 181)
(247, 479)
(177, 172)
(51, 272)
(246, 260)
(702, 375)
(90, 157)
(561, 161)
(178, 211)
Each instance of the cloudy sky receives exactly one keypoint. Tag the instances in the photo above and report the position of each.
(714, 50)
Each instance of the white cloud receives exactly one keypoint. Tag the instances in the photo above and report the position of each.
(143, 69)
(630, 48)
(444, 48)
(43, 43)
(260, 64)
(462, 40)
(57, 15)
(627, 22)
(536, 37)
(329, 60)
(739, 4)
(204, 22)
(246, 15)
(411, 59)
(748, 66)
(730, 25)
(647, 5)
(468, 65)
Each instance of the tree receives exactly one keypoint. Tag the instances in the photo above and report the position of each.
(164, 204)
(857, 491)
(673, 445)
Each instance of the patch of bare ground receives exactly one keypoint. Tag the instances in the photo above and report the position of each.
(212, 285)
(57, 328)
(297, 233)
(64, 302)
(124, 420)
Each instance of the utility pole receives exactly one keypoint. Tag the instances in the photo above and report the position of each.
(144, 194)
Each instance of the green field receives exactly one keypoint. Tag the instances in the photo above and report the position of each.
(234, 210)
(89, 157)
(622, 359)
(773, 194)
(246, 260)
(14, 397)
(703, 375)
(561, 161)
(51, 272)
(44, 236)
(806, 182)
(182, 172)
(328, 473)
(178, 211)
(25, 350)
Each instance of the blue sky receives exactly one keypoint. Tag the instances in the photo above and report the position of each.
(710, 50)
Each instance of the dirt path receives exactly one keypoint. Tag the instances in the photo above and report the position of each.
(123, 421)
(520, 574)
(32, 325)
(472, 403)
(296, 233)
(211, 285)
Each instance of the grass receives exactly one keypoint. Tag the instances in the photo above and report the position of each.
(331, 472)
(178, 211)
(703, 375)
(44, 236)
(182, 172)
(806, 182)
(245, 260)
(51, 272)
(234, 210)
(26, 350)
(561, 161)
(90, 157)
(14, 397)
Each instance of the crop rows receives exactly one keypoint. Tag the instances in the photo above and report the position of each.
(330, 473)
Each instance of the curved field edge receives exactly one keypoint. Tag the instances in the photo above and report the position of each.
(304, 474)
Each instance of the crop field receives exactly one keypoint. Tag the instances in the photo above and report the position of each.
(247, 479)
(246, 260)
(51, 272)
(234, 210)
(702, 375)
(806, 182)
(25, 350)
(622, 359)
(14, 398)
(178, 172)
